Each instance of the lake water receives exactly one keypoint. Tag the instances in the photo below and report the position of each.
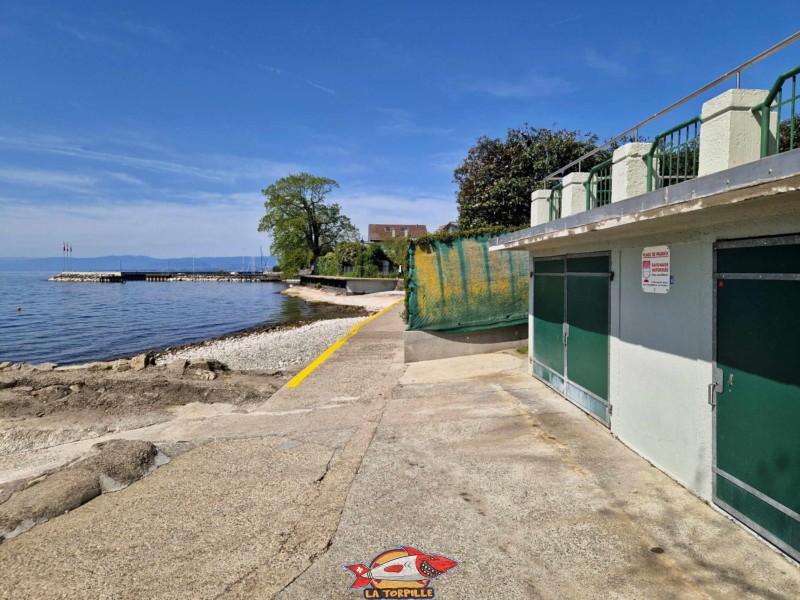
(77, 322)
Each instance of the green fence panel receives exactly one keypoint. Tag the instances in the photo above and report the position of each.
(459, 285)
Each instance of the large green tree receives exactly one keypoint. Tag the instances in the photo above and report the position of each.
(497, 177)
(302, 224)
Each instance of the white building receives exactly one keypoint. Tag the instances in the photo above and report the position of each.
(672, 316)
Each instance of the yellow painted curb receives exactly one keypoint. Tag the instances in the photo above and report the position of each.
(297, 379)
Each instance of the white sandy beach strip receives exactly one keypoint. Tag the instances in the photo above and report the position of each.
(270, 350)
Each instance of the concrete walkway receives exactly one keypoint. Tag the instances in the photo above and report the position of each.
(470, 458)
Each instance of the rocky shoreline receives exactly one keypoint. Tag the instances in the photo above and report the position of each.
(69, 433)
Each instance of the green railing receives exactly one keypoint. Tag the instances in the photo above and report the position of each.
(554, 202)
(598, 186)
(674, 155)
(787, 129)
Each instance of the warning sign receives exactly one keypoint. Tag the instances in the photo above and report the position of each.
(655, 270)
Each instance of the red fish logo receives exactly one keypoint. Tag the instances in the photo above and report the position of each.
(404, 572)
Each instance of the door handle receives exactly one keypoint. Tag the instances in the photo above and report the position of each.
(714, 386)
(712, 394)
(565, 331)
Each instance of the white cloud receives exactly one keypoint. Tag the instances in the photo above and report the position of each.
(398, 120)
(89, 37)
(222, 168)
(601, 63)
(211, 228)
(126, 178)
(42, 178)
(528, 86)
(156, 32)
(221, 224)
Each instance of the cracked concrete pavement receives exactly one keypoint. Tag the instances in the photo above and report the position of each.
(469, 457)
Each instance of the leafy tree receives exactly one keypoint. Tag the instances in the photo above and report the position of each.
(396, 251)
(348, 253)
(328, 265)
(303, 226)
(352, 259)
(497, 177)
(789, 136)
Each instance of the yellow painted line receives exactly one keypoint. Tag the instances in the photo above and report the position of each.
(298, 379)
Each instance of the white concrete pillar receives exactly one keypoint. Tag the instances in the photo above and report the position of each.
(573, 194)
(730, 134)
(629, 171)
(540, 208)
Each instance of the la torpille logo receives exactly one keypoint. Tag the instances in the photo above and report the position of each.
(403, 572)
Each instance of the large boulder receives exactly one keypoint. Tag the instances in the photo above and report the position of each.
(209, 364)
(121, 365)
(124, 461)
(204, 375)
(177, 366)
(99, 366)
(116, 464)
(142, 361)
(52, 496)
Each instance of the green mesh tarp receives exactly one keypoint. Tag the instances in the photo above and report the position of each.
(460, 286)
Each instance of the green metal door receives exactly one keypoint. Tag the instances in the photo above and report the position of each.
(570, 329)
(587, 333)
(548, 322)
(757, 415)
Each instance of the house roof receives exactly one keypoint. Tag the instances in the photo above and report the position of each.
(385, 231)
(450, 225)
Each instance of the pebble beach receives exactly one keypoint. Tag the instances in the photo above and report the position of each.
(269, 350)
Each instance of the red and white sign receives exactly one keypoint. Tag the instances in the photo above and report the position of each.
(655, 270)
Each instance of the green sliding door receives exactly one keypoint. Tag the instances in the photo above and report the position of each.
(570, 329)
(757, 414)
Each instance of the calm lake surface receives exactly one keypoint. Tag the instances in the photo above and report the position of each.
(77, 322)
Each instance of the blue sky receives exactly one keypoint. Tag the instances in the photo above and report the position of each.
(151, 127)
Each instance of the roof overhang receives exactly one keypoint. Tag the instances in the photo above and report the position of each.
(765, 187)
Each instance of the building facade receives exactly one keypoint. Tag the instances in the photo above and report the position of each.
(665, 302)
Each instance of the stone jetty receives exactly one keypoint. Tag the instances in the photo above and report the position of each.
(123, 276)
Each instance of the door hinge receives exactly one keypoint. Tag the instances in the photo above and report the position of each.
(610, 410)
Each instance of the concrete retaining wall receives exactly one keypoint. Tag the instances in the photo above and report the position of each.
(354, 285)
(371, 286)
(432, 345)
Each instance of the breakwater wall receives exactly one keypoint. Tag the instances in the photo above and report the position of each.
(123, 276)
(354, 285)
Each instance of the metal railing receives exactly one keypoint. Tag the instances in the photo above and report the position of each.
(598, 186)
(674, 155)
(554, 202)
(786, 129)
(634, 131)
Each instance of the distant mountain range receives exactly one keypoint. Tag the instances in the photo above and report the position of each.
(138, 263)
